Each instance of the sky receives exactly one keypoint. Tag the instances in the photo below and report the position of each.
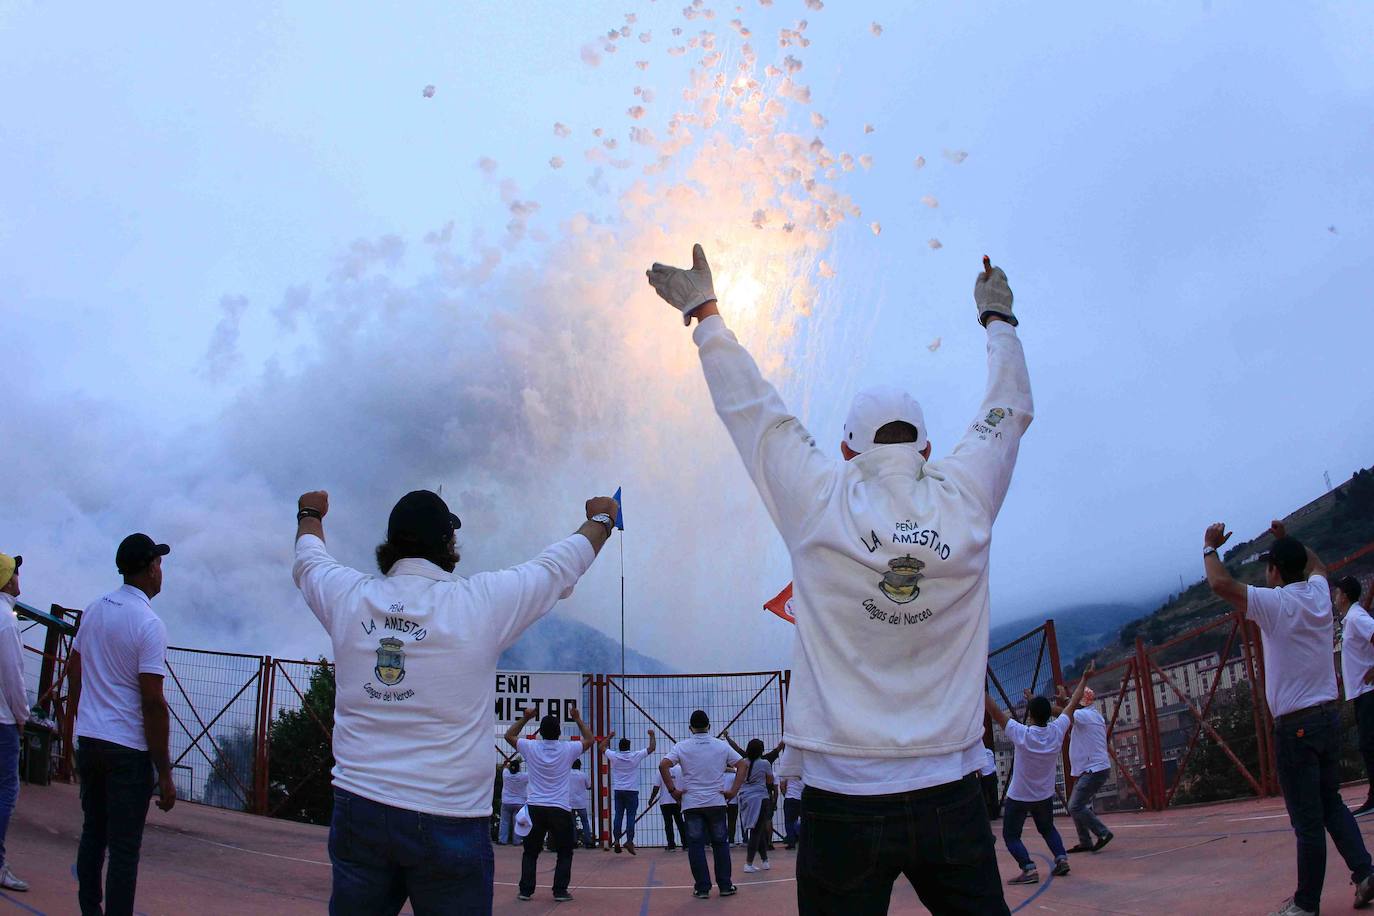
(244, 255)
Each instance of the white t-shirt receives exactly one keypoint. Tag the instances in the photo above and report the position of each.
(1357, 652)
(625, 769)
(514, 788)
(1296, 624)
(549, 763)
(663, 797)
(416, 651)
(579, 784)
(120, 638)
(887, 775)
(794, 787)
(1088, 742)
(1035, 758)
(703, 759)
(14, 704)
(989, 763)
(727, 782)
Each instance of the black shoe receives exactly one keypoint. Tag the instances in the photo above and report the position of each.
(789, 846)
(1081, 847)
(616, 849)
(670, 849)
(564, 897)
(702, 895)
(1365, 806)
(1061, 867)
(524, 896)
(728, 891)
(1103, 841)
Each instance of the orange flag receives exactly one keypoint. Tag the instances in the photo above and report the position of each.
(781, 604)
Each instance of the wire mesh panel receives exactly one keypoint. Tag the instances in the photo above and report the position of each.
(213, 700)
(299, 741)
(747, 705)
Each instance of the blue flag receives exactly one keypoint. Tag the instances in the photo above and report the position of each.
(619, 511)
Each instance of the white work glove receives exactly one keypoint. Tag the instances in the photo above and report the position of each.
(992, 295)
(684, 290)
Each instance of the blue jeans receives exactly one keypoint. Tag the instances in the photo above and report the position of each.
(384, 855)
(1085, 819)
(791, 817)
(505, 831)
(580, 815)
(707, 825)
(1014, 818)
(626, 807)
(1309, 747)
(854, 847)
(9, 779)
(116, 786)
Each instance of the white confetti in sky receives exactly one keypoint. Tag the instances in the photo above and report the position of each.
(920, 162)
(935, 244)
(955, 155)
(428, 91)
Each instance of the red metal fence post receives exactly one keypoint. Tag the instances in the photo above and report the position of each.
(260, 774)
(1057, 670)
(1149, 729)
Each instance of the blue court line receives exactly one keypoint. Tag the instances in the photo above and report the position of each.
(23, 906)
(1044, 887)
(649, 889)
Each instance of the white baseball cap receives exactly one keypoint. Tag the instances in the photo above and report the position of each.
(874, 408)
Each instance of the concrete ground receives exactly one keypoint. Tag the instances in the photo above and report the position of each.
(1215, 859)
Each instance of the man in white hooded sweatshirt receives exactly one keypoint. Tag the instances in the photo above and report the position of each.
(890, 566)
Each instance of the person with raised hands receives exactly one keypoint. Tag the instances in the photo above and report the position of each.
(890, 557)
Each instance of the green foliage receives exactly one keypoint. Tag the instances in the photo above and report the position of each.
(1211, 776)
(300, 755)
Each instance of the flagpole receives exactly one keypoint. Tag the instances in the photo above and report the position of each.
(622, 629)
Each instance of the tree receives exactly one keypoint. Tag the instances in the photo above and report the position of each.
(1211, 775)
(300, 755)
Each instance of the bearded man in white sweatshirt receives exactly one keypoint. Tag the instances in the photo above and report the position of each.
(890, 563)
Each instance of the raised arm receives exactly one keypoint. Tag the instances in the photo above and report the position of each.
(1077, 699)
(986, 456)
(1315, 566)
(321, 579)
(780, 456)
(773, 755)
(588, 738)
(731, 741)
(998, 716)
(513, 733)
(652, 745)
(1219, 578)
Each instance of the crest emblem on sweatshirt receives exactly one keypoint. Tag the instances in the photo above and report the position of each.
(901, 581)
(391, 661)
(995, 416)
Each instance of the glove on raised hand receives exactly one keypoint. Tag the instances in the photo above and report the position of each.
(684, 290)
(992, 295)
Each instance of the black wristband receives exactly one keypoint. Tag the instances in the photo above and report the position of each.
(307, 512)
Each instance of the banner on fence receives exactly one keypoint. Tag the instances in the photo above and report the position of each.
(547, 692)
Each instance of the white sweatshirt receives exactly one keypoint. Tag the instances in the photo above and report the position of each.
(889, 559)
(15, 708)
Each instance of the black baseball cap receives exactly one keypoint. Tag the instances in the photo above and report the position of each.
(136, 551)
(421, 517)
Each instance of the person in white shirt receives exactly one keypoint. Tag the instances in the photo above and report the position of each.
(1090, 766)
(791, 809)
(549, 760)
(1357, 671)
(119, 660)
(513, 789)
(890, 555)
(624, 764)
(669, 809)
(1297, 632)
(1034, 764)
(579, 785)
(14, 708)
(415, 700)
(699, 791)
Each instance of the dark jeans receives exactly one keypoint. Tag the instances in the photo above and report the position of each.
(1364, 719)
(731, 820)
(383, 855)
(1085, 819)
(672, 814)
(1014, 818)
(626, 804)
(582, 825)
(557, 825)
(705, 825)
(9, 779)
(1309, 746)
(116, 786)
(791, 816)
(853, 847)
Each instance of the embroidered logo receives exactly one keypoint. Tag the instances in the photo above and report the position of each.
(900, 582)
(391, 661)
(995, 416)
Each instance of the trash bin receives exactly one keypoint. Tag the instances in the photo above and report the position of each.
(35, 754)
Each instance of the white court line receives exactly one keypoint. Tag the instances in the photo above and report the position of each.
(253, 852)
(1130, 826)
(1257, 817)
(1150, 855)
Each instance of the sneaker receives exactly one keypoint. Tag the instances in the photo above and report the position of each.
(670, 849)
(1364, 891)
(1365, 807)
(615, 848)
(9, 882)
(1292, 909)
(524, 896)
(630, 847)
(1081, 847)
(766, 866)
(564, 897)
(1061, 866)
(729, 891)
(1103, 841)
(702, 895)
(749, 868)
(1027, 876)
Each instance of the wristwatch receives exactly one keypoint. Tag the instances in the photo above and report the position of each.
(1207, 551)
(307, 512)
(602, 518)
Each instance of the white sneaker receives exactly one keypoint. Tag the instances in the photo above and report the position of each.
(766, 866)
(9, 882)
(750, 869)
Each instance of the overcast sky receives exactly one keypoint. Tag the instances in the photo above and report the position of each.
(243, 255)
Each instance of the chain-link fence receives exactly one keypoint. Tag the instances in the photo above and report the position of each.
(213, 699)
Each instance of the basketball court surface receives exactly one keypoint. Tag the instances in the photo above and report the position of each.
(1215, 859)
